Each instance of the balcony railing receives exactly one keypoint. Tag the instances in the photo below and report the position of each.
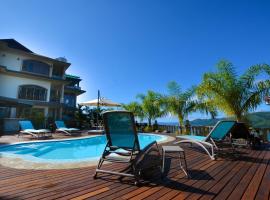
(73, 87)
(264, 133)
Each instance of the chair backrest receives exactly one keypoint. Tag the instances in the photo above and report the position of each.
(60, 124)
(120, 130)
(221, 129)
(26, 124)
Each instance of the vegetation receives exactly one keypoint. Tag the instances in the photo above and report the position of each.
(179, 103)
(232, 94)
(151, 105)
(135, 108)
(223, 90)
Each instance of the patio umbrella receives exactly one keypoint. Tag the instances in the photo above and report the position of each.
(100, 101)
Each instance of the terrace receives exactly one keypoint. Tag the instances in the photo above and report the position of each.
(245, 176)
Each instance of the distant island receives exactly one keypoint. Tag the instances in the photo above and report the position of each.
(257, 119)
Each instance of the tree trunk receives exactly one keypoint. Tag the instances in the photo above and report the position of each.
(181, 120)
(149, 121)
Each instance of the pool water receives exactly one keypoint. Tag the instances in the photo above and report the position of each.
(71, 150)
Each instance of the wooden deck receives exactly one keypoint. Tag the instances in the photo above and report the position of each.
(244, 177)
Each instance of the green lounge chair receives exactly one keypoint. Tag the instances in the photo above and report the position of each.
(123, 146)
(26, 127)
(61, 127)
(217, 134)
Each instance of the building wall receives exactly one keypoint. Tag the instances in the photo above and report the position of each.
(9, 85)
(14, 61)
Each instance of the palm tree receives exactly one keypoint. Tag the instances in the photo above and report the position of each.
(135, 108)
(204, 106)
(233, 94)
(179, 103)
(151, 106)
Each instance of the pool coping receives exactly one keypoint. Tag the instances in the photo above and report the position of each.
(20, 163)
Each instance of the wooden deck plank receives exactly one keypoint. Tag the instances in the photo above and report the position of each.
(264, 190)
(68, 186)
(119, 186)
(204, 190)
(254, 184)
(241, 187)
(247, 177)
(145, 188)
(205, 185)
(200, 180)
(171, 183)
(217, 186)
(226, 191)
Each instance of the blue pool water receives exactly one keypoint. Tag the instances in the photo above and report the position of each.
(67, 150)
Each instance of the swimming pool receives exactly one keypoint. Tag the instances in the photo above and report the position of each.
(72, 150)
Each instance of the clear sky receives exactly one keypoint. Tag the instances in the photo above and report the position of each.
(125, 47)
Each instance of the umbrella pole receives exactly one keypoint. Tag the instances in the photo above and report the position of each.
(98, 108)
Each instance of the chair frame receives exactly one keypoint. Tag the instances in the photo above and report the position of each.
(132, 154)
(33, 132)
(65, 130)
(204, 143)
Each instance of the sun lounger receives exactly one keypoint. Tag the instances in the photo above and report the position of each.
(123, 146)
(217, 134)
(26, 127)
(61, 127)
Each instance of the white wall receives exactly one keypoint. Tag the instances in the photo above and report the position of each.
(10, 61)
(9, 85)
(14, 61)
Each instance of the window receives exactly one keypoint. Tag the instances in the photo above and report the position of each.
(55, 95)
(57, 72)
(36, 67)
(4, 112)
(70, 100)
(32, 92)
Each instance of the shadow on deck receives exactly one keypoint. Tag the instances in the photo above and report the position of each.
(243, 175)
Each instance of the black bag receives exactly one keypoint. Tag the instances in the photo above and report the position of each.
(148, 163)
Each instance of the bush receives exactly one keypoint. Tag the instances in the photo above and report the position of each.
(148, 129)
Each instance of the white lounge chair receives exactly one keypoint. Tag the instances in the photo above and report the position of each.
(218, 133)
(61, 127)
(26, 127)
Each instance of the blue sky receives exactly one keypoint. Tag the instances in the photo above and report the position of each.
(125, 47)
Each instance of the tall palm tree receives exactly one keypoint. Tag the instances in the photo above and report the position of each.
(179, 103)
(135, 108)
(151, 105)
(233, 94)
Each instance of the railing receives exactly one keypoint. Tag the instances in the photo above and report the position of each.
(73, 87)
(264, 133)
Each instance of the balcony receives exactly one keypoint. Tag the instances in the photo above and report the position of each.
(75, 87)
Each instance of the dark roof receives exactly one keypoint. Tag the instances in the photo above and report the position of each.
(16, 45)
(11, 43)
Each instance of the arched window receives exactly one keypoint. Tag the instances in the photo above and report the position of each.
(36, 67)
(32, 92)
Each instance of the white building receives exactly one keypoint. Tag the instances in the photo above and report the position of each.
(34, 83)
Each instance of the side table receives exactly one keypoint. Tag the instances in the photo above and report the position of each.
(182, 156)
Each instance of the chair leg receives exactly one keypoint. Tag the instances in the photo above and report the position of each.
(186, 165)
(180, 162)
(98, 167)
(163, 161)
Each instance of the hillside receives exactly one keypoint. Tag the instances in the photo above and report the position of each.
(257, 119)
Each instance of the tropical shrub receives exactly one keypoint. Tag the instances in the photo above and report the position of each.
(151, 106)
(179, 103)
